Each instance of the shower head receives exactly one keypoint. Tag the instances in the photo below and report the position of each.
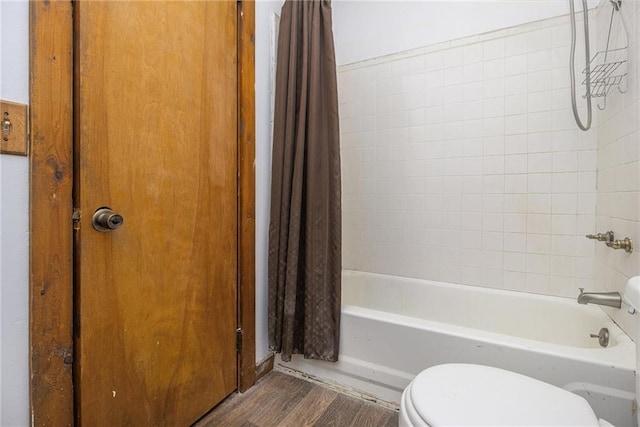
(616, 4)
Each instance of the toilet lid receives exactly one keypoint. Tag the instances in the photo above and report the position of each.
(462, 394)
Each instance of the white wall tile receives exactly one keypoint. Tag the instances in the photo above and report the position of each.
(565, 183)
(475, 72)
(494, 69)
(539, 60)
(565, 161)
(539, 223)
(539, 81)
(540, 183)
(473, 91)
(564, 204)
(540, 142)
(515, 144)
(515, 45)
(515, 164)
(538, 263)
(538, 102)
(516, 124)
(539, 40)
(464, 165)
(493, 88)
(515, 223)
(515, 261)
(539, 203)
(515, 85)
(538, 243)
(494, 107)
(494, 49)
(472, 53)
(453, 76)
(452, 57)
(515, 65)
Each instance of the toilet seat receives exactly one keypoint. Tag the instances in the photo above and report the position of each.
(463, 394)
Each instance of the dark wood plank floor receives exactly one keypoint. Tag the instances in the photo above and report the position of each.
(283, 400)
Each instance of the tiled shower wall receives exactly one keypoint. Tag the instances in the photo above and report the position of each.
(462, 163)
(618, 201)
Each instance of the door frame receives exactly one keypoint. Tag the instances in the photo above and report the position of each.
(51, 328)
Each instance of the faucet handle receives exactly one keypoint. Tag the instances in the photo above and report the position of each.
(581, 290)
(626, 244)
(601, 237)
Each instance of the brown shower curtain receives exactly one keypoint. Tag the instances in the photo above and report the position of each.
(305, 230)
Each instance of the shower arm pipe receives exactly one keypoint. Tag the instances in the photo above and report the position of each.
(574, 105)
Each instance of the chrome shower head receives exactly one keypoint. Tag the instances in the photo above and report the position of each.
(616, 4)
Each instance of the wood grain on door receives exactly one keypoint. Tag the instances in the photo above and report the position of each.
(156, 141)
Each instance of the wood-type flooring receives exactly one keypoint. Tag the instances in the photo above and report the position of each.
(283, 400)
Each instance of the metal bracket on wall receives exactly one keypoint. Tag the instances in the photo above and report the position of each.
(13, 128)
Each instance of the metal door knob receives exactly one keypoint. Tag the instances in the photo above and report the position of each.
(104, 219)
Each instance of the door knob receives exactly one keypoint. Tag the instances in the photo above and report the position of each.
(104, 219)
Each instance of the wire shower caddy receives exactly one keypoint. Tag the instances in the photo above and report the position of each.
(608, 68)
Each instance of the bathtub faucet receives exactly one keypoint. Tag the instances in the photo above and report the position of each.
(610, 299)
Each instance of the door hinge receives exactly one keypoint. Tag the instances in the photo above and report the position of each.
(239, 340)
(75, 217)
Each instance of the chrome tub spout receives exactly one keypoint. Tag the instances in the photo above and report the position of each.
(610, 299)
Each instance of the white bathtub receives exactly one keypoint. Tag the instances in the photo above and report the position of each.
(394, 327)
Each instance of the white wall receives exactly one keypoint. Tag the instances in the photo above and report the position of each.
(14, 226)
(462, 163)
(368, 29)
(264, 17)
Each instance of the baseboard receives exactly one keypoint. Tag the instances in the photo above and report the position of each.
(339, 386)
(264, 366)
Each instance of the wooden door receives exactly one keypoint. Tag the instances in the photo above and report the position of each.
(155, 141)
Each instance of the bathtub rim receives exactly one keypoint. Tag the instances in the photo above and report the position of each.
(481, 289)
(622, 355)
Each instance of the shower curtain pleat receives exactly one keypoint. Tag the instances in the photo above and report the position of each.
(305, 259)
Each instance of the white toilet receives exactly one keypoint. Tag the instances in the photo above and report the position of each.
(471, 395)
